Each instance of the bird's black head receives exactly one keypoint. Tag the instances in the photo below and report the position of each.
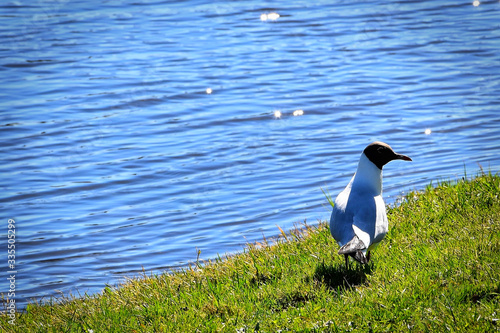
(380, 153)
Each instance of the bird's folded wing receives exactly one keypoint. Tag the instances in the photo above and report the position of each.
(362, 235)
(353, 246)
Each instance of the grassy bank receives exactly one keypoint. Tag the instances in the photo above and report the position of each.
(438, 269)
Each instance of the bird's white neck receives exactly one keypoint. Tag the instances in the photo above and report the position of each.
(368, 176)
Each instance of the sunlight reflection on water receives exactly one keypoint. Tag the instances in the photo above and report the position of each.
(269, 16)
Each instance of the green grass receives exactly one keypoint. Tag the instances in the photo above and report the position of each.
(437, 270)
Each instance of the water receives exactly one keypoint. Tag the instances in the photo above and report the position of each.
(115, 158)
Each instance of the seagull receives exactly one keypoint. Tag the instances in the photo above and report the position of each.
(359, 219)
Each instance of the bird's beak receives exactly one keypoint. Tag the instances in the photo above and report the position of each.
(403, 157)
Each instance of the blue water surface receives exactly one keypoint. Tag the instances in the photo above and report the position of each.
(134, 134)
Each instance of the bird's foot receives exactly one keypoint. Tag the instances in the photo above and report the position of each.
(359, 256)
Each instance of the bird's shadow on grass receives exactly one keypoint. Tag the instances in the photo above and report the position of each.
(337, 277)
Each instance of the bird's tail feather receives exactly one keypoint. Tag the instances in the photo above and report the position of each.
(355, 244)
(355, 248)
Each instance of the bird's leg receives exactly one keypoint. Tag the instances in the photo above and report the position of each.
(346, 256)
(368, 255)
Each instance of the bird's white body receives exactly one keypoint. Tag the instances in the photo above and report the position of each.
(360, 209)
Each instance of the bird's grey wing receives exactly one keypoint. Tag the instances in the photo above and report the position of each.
(365, 220)
(356, 249)
(341, 220)
(354, 245)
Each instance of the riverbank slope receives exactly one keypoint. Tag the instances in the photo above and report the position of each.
(438, 269)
